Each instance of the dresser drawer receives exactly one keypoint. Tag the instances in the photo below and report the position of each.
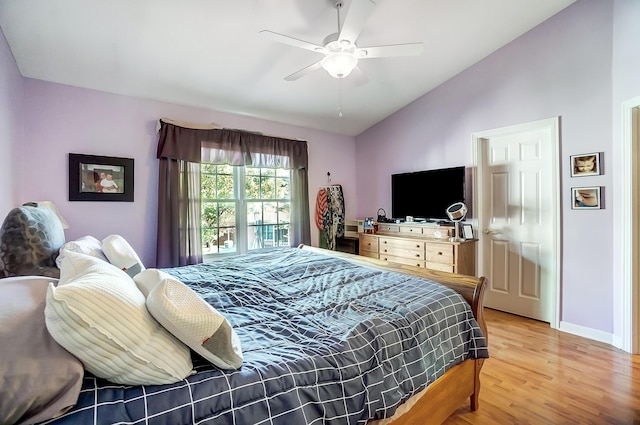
(408, 244)
(410, 230)
(388, 228)
(440, 253)
(396, 251)
(439, 266)
(371, 254)
(402, 260)
(368, 244)
(438, 232)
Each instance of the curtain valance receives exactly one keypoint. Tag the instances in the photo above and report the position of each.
(229, 146)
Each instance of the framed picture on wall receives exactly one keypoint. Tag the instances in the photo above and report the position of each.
(586, 164)
(586, 198)
(100, 178)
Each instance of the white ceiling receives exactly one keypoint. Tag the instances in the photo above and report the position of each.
(208, 53)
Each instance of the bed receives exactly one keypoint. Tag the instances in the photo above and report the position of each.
(327, 338)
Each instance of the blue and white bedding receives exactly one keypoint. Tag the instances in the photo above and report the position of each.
(324, 342)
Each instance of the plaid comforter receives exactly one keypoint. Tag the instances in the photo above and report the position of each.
(324, 341)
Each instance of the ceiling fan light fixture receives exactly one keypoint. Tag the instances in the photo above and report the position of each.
(339, 64)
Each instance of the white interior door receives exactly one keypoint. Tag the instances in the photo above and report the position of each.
(629, 318)
(518, 214)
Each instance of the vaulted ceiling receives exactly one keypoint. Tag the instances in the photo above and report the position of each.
(209, 53)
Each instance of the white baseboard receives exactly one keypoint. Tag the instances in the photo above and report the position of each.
(585, 332)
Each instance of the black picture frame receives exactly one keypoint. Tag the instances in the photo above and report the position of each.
(89, 178)
(467, 231)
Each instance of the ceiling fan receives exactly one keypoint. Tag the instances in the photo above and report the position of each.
(341, 54)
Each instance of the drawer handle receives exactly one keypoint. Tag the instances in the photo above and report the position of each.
(418, 255)
(440, 253)
(417, 246)
(384, 242)
(386, 250)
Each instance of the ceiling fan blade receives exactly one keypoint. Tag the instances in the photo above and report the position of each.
(285, 39)
(304, 71)
(358, 77)
(409, 49)
(357, 15)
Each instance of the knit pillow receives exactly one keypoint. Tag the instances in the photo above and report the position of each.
(196, 323)
(99, 315)
(121, 254)
(86, 245)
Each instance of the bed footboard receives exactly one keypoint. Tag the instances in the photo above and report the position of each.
(460, 383)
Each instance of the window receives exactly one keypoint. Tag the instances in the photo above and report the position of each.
(244, 208)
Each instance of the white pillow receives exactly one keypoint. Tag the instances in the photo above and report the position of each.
(99, 315)
(86, 245)
(196, 323)
(148, 279)
(122, 255)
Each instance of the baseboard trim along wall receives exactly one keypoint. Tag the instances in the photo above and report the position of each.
(585, 332)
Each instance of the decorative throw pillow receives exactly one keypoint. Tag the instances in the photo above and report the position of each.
(86, 245)
(39, 379)
(100, 316)
(122, 255)
(30, 238)
(148, 279)
(196, 323)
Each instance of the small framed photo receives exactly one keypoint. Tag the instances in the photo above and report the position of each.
(586, 164)
(100, 178)
(369, 225)
(586, 198)
(467, 231)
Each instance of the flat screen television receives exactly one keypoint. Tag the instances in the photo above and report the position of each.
(427, 194)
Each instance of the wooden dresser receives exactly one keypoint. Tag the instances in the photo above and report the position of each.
(419, 245)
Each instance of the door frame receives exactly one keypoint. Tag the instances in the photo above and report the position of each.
(553, 125)
(630, 297)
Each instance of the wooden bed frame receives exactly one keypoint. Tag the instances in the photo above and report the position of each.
(460, 383)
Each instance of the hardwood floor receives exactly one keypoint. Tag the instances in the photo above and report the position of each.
(537, 375)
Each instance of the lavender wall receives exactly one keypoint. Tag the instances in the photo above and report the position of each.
(61, 119)
(560, 68)
(10, 125)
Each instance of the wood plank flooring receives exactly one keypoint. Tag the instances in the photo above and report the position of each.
(537, 375)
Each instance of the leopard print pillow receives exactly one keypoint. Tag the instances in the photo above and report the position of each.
(30, 239)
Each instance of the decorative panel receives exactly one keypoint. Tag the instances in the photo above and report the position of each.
(529, 270)
(530, 197)
(499, 197)
(530, 150)
(500, 266)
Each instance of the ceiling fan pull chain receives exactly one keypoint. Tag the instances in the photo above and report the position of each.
(339, 99)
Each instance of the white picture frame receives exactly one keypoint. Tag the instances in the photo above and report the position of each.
(586, 164)
(586, 198)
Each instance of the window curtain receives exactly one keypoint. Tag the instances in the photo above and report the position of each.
(181, 148)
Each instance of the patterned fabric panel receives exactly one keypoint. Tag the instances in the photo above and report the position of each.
(330, 214)
(324, 342)
(30, 238)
